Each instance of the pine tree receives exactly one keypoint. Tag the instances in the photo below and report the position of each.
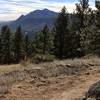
(45, 33)
(60, 31)
(27, 48)
(5, 45)
(43, 41)
(72, 42)
(97, 33)
(82, 10)
(0, 49)
(87, 38)
(18, 45)
(84, 25)
(46, 40)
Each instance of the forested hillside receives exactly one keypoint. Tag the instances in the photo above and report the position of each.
(69, 38)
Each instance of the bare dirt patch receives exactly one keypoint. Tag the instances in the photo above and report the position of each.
(58, 80)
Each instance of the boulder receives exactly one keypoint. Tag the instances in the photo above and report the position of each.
(94, 91)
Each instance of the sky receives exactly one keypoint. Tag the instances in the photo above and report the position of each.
(12, 9)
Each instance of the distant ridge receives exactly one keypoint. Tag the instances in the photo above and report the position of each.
(34, 21)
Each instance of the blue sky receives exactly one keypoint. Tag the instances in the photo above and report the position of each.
(12, 9)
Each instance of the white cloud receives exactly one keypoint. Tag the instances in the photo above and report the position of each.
(12, 9)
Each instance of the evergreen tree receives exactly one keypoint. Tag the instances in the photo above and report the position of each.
(87, 38)
(97, 33)
(45, 34)
(5, 45)
(72, 43)
(0, 49)
(82, 11)
(43, 41)
(27, 45)
(60, 32)
(18, 45)
(47, 42)
(84, 25)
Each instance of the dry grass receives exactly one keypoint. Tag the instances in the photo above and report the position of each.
(23, 64)
(13, 67)
(9, 68)
(37, 73)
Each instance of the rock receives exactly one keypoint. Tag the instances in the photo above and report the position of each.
(87, 73)
(94, 91)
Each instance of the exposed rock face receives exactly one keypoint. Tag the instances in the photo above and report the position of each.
(94, 91)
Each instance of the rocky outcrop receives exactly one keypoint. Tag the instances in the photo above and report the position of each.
(94, 91)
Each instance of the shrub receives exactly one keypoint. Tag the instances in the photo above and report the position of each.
(38, 58)
(24, 63)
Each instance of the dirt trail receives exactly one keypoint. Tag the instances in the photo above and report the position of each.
(79, 90)
(60, 88)
(65, 80)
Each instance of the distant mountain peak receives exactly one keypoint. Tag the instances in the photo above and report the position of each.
(21, 17)
(45, 13)
(35, 20)
(42, 11)
(46, 9)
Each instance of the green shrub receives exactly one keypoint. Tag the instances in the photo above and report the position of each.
(38, 58)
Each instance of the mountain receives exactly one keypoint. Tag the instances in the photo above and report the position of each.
(34, 21)
(2, 23)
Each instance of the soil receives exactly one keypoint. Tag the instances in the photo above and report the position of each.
(59, 80)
